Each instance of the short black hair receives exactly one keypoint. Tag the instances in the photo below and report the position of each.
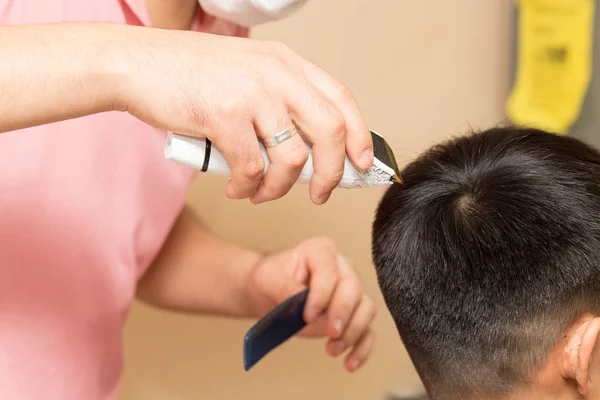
(487, 253)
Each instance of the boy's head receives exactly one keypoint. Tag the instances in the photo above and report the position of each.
(488, 257)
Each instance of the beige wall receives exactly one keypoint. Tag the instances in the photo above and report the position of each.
(421, 70)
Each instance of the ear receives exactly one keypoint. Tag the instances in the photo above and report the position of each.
(577, 354)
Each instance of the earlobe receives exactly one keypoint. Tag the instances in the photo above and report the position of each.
(578, 354)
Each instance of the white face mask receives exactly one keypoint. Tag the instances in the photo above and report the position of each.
(249, 13)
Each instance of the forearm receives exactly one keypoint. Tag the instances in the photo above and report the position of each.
(198, 272)
(172, 14)
(55, 72)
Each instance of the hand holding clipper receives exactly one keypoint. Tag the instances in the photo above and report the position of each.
(199, 153)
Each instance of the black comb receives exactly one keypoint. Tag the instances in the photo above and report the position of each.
(283, 322)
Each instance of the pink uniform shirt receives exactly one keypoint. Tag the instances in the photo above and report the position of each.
(85, 205)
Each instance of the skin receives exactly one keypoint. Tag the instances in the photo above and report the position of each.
(198, 272)
(233, 91)
(571, 371)
(214, 87)
(175, 14)
(573, 367)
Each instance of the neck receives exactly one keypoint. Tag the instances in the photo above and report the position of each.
(562, 391)
(533, 392)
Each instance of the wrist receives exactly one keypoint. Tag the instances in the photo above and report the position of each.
(68, 71)
(117, 62)
(249, 298)
(100, 57)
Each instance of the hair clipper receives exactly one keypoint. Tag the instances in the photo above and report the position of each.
(200, 154)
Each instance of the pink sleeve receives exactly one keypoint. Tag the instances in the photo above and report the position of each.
(202, 22)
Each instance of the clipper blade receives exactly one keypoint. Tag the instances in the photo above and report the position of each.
(384, 154)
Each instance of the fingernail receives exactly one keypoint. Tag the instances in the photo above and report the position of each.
(366, 158)
(353, 364)
(337, 347)
(337, 326)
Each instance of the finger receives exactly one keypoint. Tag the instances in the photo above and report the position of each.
(360, 353)
(316, 329)
(323, 125)
(359, 324)
(321, 259)
(239, 144)
(346, 299)
(359, 145)
(286, 159)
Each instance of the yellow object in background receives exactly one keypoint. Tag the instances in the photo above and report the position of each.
(554, 63)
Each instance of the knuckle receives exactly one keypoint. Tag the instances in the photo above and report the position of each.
(336, 125)
(346, 306)
(272, 45)
(273, 63)
(255, 280)
(356, 287)
(371, 307)
(230, 108)
(368, 343)
(344, 92)
(282, 50)
(298, 158)
(252, 91)
(320, 294)
(349, 262)
(351, 336)
(324, 242)
(272, 192)
(253, 169)
(333, 178)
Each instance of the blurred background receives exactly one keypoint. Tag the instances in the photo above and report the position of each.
(422, 71)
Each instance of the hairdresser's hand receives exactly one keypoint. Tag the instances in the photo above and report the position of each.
(237, 91)
(337, 307)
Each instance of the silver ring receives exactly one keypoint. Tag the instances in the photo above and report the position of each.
(281, 137)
